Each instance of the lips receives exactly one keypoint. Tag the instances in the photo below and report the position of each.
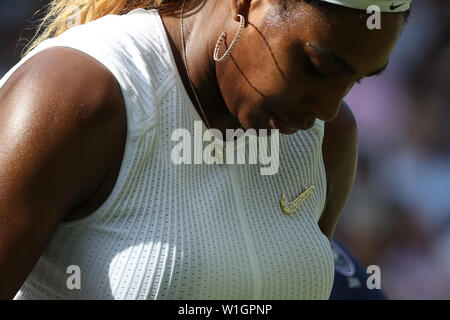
(286, 127)
(283, 126)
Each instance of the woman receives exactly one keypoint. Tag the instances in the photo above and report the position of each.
(91, 204)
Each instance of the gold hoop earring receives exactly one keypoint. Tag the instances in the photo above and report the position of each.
(233, 43)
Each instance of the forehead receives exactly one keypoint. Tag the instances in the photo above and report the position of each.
(342, 30)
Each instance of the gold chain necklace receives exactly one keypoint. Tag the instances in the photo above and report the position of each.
(183, 46)
(217, 152)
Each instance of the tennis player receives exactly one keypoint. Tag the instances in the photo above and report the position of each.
(92, 205)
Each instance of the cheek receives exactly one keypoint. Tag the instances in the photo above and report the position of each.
(246, 85)
(262, 61)
(254, 106)
(260, 77)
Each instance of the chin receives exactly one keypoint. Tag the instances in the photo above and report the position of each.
(273, 122)
(289, 131)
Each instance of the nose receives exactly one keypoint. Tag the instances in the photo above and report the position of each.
(326, 105)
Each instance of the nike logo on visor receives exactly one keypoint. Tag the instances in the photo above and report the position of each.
(397, 6)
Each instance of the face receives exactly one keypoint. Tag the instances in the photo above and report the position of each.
(291, 67)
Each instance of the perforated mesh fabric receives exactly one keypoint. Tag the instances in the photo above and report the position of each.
(184, 231)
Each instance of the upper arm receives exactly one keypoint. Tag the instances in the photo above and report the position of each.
(340, 155)
(58, 116)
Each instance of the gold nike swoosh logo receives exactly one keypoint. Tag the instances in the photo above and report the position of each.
(291, 207)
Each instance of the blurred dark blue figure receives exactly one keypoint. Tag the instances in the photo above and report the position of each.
(350, 277)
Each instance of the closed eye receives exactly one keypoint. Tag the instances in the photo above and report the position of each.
(313, 70)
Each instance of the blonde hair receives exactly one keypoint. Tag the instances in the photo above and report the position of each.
(61, 14)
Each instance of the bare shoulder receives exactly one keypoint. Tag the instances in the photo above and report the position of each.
(62, 131)
(344, 124)
(63, 102)
(66, 79)
(340, 148)
(340, 137)
(340, 154)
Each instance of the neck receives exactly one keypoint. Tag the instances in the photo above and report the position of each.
(203, 25)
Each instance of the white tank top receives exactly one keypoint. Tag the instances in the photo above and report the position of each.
(183, 231)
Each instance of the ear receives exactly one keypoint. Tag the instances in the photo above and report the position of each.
(241, 7)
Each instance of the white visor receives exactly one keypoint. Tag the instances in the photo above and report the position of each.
(384, 5)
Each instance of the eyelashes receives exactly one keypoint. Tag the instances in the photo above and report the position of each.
(313, 70)
(316, 73)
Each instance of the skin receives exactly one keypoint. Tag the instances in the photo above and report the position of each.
(62, 145)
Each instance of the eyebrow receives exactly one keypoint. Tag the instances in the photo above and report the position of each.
(339, 60)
